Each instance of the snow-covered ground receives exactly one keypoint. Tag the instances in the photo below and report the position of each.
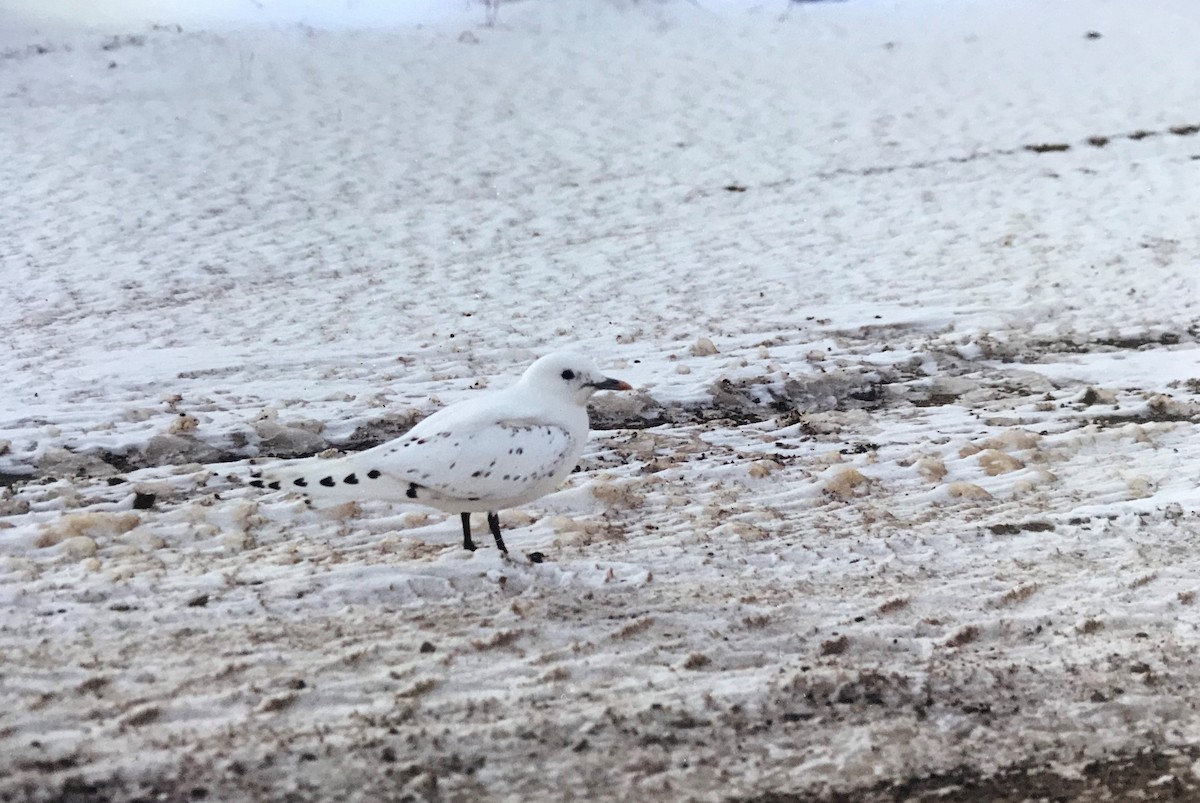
(908, 494)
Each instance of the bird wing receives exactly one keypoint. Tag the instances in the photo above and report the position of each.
(497, 460)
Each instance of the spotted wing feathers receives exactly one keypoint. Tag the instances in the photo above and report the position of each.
(501, 461)
(337, 480)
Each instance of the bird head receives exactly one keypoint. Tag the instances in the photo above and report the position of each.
(570, 376)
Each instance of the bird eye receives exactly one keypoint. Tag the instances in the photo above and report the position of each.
(568, 374)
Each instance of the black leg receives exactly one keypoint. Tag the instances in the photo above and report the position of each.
(467, 542)
(494, 525)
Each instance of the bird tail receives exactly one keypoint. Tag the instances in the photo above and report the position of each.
(323, 481)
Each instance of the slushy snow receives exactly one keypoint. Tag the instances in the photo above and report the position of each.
(907, 488)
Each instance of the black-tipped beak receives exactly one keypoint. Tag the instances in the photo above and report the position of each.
(612, 384)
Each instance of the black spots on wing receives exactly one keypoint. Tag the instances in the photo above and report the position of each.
(373, 474)
(492, 464)
(443, 434)
(507, 477)
(300, 481)
(274, 486)
(472, 498)
(411, 493)
(452, 465)
(476, 473)
(422, 441)
(328, 482)
(520, 450)
(257, 483)
(351, 479)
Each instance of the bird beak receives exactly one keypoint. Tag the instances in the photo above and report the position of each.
(612, 384)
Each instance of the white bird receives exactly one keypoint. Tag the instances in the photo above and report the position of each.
(494, 451)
